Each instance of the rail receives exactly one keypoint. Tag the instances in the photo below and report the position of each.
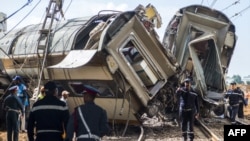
(211, 135)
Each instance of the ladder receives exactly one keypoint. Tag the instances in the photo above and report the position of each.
(54, 7)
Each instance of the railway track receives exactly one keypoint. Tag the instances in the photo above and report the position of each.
(206, 129)
(243, 121)
(214, 127)
(210, 133)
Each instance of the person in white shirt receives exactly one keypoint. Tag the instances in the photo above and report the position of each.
(65, 95)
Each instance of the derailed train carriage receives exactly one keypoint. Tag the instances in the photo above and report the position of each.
(120, 54)
(203, 41)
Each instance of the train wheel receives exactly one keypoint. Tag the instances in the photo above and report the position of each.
(219, 110)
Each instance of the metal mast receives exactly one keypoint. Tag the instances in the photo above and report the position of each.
(54, 8)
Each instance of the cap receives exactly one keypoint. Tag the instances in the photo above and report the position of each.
(17, 78)
(65, 92)
(233, 83)
(187, 80)
(90, 90)
(50, 86)
(13, 88)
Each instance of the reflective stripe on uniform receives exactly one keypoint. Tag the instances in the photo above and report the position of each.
(17, 111)
(14, 110)
(184, 133)
(92, 136)
(189, 92)
(47, 107)
(193, 93)
(185, 110)
(233, 93)
(235, 105)
(48, 131)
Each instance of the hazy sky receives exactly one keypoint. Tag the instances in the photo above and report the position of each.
(237, 10)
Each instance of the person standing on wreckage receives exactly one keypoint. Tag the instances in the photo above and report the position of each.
(14, 108)
(89, 121)
(188, 109)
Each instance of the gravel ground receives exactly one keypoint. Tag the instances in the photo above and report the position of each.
(164, 135)
(22, 136)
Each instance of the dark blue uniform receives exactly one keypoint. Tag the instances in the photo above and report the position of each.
(13, 108)
(96, 119)
(241, 105)
(188, 107)
(49, 117)
(234, 97)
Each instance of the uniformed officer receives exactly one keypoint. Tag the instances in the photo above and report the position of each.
(89, 121)
(14, 108)
(188, 109)
(48, 116)
(234, 96)
(241, 104)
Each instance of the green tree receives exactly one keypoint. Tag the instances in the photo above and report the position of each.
(237, 79)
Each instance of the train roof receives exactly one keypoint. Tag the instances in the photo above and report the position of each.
(64, 37)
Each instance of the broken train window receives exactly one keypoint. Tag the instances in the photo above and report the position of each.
(139, 64)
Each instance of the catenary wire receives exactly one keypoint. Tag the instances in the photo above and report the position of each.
(21, 20)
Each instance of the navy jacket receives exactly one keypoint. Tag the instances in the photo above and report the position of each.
(49, 116)
(235, 96)
(12, 102)
(188, 99)
(95, 117)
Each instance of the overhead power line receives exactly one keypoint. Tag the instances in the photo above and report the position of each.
(22, 19)
(236, 2)
(213, 3)
(68, 7)
(239, 13)
(29, 1)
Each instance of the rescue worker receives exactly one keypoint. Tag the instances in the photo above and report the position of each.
(241, 104)
(88, 121)
(48, 116)
(234, 96)
(188, 109)
(23, 96)
(14, 108)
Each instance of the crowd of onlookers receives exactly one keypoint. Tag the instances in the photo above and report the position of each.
(48, 118)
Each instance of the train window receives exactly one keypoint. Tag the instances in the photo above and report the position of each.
(139, 64)
(104, 90)
(131, 53)
(77, 87)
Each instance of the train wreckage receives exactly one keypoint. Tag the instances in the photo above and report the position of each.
(120, 54)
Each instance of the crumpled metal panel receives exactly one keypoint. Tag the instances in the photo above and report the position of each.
(75, 58)
(207, 37)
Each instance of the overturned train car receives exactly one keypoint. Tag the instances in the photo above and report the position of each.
(120, 54)
(203, 41)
